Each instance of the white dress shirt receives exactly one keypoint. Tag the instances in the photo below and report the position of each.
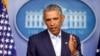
(56, 42)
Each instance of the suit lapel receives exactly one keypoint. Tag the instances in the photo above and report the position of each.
(48, 44)
(64, 46)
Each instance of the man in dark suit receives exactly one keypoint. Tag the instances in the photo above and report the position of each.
(53, 41)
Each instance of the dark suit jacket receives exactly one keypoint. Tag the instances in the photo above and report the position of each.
(41, 45)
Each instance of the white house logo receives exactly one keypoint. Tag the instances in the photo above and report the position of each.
(78, 20)
(72, 19)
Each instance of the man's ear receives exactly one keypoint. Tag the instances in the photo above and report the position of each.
(63, 18)
(43, 19)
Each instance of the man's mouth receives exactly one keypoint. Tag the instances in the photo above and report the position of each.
(53, 28)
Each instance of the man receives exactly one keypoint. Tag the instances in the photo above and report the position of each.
(53, 41)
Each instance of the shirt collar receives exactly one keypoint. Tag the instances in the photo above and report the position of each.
(52, 35)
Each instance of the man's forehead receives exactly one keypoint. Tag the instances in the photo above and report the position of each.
(52, 12)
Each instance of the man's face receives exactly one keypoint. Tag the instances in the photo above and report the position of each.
(53, 19)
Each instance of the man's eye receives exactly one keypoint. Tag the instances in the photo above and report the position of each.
(47, 19)
(55, 18)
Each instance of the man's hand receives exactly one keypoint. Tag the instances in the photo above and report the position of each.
(72, 44)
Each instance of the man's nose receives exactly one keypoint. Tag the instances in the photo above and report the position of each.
(52, 23)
